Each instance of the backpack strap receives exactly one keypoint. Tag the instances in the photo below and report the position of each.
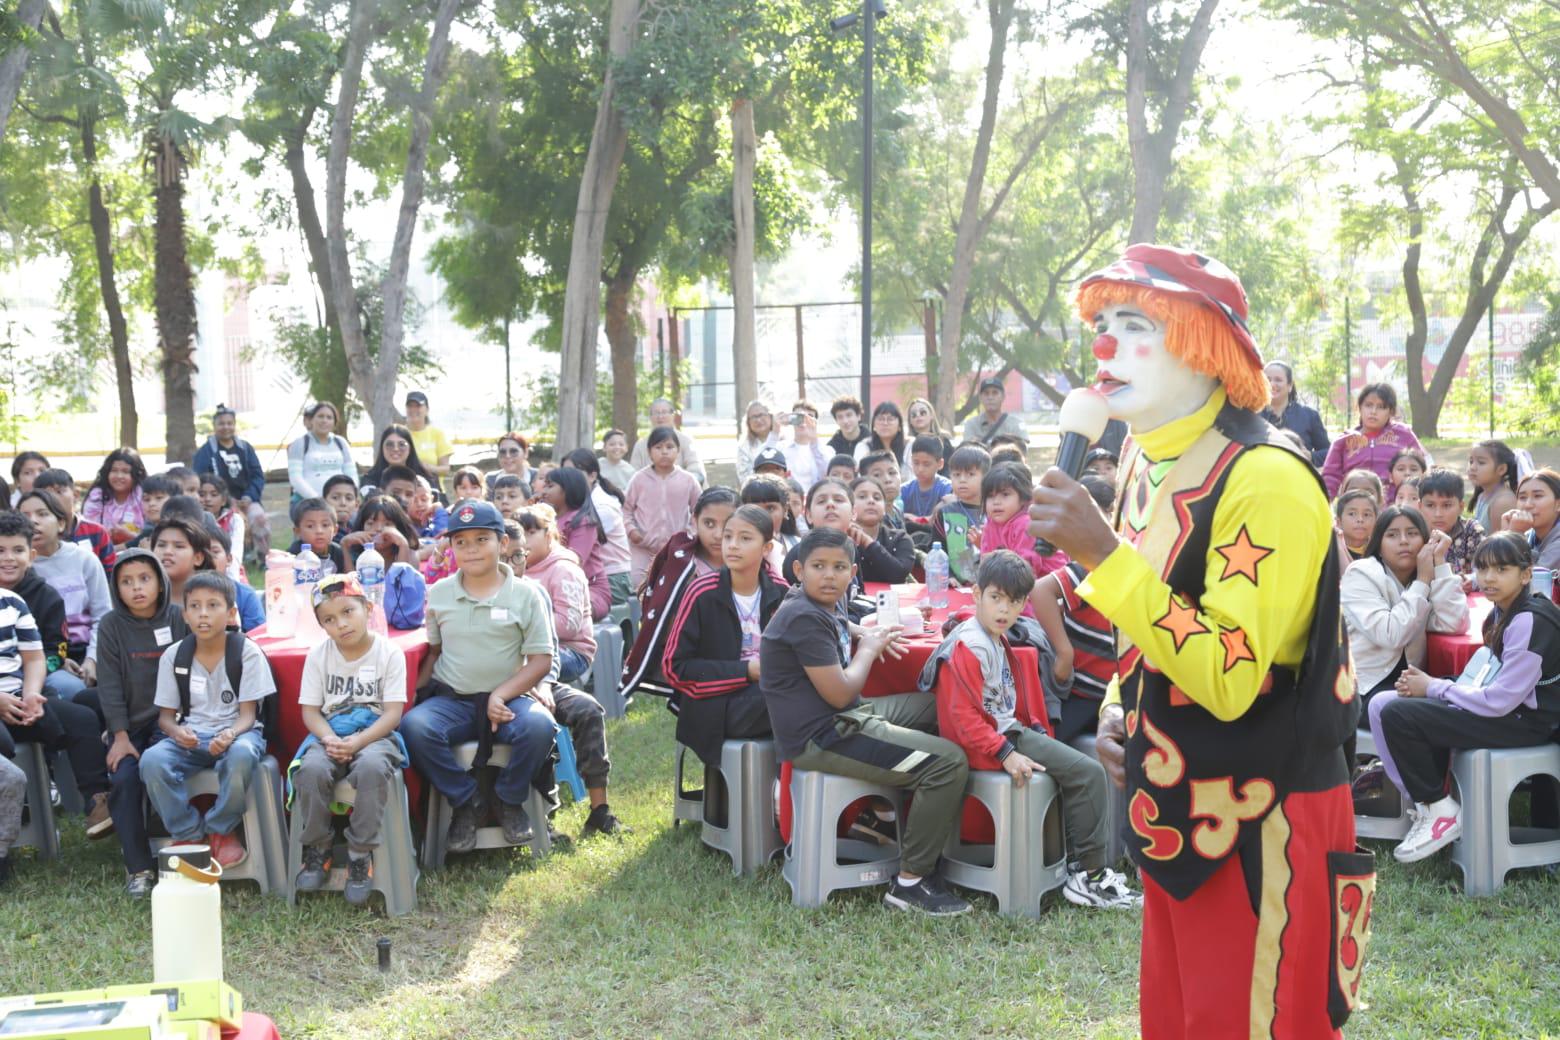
(991, 434)
(183, 658)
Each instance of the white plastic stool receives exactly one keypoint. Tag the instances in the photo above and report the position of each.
(39, 830)
(818, 861)
(436, 834)
(265, 827)
(750, 835)
(687, 803)
(1115, 806)
(395, 859)
(1029, 857)
(1490, 846)
(1371, 825)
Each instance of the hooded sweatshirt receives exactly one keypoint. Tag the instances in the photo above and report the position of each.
(129, 649)
(76, 575)
(559, 573)
(48, 610)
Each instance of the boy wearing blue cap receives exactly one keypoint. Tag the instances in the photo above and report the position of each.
(489, 650)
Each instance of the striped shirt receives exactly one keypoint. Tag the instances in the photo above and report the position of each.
(1094, 644)
(18, 633)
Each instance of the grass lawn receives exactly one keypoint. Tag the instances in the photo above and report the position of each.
(651, 936)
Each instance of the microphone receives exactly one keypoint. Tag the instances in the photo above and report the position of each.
(1082, 421)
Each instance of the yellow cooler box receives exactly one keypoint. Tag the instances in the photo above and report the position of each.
(188, 1003)
(93, 1018)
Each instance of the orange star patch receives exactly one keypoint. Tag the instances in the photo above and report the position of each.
(1235, 648)
(1242, 556)
(1180, 620)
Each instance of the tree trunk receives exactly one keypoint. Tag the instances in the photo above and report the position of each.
(118, 331)
(625, 364)
(333, 381)
(1000, 13)
(1154, 150)
(744, 336)
(582, 290)
(174, 292)
(13, 64)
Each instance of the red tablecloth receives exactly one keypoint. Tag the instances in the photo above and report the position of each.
(255, 1027)
(286, 657)
(1447, 655)
(889, 676)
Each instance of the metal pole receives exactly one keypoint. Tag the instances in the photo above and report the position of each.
(801, 359)
(1492, 368)
(675, 361)
(509, 402)
(1348, 368)
(869, 18)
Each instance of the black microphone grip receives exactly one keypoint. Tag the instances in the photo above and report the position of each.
(1069, 459)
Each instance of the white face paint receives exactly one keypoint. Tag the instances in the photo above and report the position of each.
(1143, 382)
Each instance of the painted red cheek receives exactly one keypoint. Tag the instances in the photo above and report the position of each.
(1105, 346)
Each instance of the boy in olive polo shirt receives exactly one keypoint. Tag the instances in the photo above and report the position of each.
(489, 649)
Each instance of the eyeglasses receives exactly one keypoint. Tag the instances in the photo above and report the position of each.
(509, 453)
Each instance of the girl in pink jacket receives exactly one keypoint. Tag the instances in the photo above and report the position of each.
(1374, 444)
(554, 566)
(579, 527)
(1007, 490)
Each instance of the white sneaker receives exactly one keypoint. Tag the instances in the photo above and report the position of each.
(1435, 826)
(1109, 891)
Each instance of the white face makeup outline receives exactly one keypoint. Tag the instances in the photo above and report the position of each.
(1145, 385)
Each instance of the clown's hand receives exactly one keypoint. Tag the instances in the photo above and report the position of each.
(1064, 514)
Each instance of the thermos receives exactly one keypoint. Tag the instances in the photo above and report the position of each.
(281, 605)
(186, 915)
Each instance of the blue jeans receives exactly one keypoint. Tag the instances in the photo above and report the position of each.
(437, 725)
(125, 804)
(571, 664)
(166, 767)
(60, 683)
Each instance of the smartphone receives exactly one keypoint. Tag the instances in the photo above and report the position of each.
(796, 418)
(888, 607)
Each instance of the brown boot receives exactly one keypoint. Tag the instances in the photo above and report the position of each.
(99, 823)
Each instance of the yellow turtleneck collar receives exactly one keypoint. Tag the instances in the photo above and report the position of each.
(1172, 439)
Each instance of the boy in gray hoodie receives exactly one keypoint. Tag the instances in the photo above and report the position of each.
(131, 641)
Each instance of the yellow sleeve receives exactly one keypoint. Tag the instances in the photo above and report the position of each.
(1270, 529)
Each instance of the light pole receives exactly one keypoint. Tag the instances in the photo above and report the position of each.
(871, 11)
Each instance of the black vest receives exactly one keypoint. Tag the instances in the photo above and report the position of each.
(1198, 788)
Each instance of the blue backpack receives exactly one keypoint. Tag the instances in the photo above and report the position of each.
(406, 596)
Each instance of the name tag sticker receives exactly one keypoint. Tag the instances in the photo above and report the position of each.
(500, 613)
(163, 635)
(366, 674)
(197, 686)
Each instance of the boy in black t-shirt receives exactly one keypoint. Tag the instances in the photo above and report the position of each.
(812, 687)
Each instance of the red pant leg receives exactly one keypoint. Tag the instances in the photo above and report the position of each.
(1213, 969)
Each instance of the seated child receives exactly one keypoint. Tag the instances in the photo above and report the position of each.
(842, 467)
(1408, 493)
(992, 708)
(1363, 480)
(774, 498)
(957, 520)
(1355, 513)
(314, 525)
(156, 490)
(63, 678)
(208, 712)
(467, 484)
(1008, 452)
(1007, 490)
(921, 494)
(341, 494)
(884, 553)
(1405, 465)
(572, 708)
(73, 572)
(509, 494)
(214, 499)
(796, 499)
(712, 653)
(187, 479)
(383, 523)
(556, 568)
(145, 621)
(489, 646)
(352, 696)
(13, 795)
(427, 515)
(1419, 724)
(93, 537)
(812, 686)
(1441, 503)
(1082, 637)
(251, 606)
(1102, 463)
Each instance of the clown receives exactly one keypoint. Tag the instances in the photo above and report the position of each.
(1233, 694)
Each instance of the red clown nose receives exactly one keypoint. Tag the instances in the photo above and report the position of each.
(1105, 346)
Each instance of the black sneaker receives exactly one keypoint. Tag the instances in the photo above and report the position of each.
(360, 879)
(463, 827)
(601, 821)
(516, 823)
(316, 867)
(140, 884)
(870, 827)
(928, 896)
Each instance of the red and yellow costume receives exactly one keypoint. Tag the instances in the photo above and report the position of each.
(1233, 673)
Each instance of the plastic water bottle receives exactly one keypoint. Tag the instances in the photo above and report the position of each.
(306, 568)
(371, 575)
(937, 577)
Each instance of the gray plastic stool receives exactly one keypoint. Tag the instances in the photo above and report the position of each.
(1373, 825)
(1029, 857)
(265, 827)
(606, 670)
(818, 861)
(436, 834)
(39, 830)
(1115, 807)
(1490, 846)
(395, 860)
(687, 804)
(751, 836)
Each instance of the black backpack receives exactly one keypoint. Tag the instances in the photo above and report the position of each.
(233, 661)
